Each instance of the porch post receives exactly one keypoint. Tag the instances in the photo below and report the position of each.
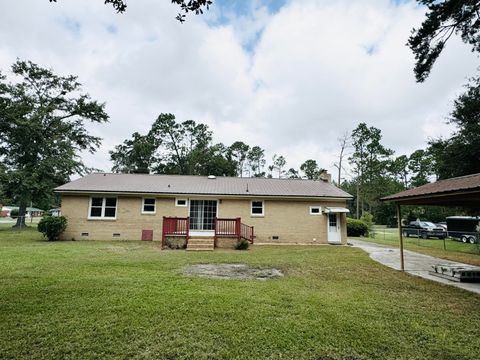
(215, 234)
(163, 232)
(237, 227)
(399, 221)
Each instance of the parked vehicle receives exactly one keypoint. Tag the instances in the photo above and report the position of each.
(442, 225)
(463, 228)
(424, 229)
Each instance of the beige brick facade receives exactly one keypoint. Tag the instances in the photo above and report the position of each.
(289, 220)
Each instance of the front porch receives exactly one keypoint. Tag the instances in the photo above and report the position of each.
(181, 227)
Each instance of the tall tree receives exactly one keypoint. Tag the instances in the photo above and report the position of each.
(135, 155)
(460, 154)
(443, 19)
(42, 131)
(344, 142)
(400, 170)
(369, 160)
(278, 163)
(256, 161)
(421, 166)
(182, 145)
(240, 152)
(311, 170)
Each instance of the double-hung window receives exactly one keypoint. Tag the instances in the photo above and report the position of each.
(103, 208)
(148, 206)
(257, 208)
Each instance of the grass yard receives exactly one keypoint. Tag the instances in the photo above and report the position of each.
(455, 250)
(91, 299)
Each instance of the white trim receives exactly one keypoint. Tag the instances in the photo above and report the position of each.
(184, 199)
(335, 210)
(154, 206)
(316, 207)
(104, 200)
(263, 208)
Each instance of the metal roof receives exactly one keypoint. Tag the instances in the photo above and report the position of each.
(201, 185)
(459, 191)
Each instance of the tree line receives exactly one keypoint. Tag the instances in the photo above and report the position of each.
(187, 148)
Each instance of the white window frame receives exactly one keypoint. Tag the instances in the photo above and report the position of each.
(263, 208)
(154, 206)
(316, 207)
(177, 205)
(104, 200)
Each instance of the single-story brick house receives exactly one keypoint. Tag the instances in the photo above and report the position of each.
(204, 211)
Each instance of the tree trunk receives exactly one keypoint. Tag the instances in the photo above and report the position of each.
(22, 210)
(358, 202)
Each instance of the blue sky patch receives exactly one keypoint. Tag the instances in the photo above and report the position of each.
(111, 29)
(71, 25)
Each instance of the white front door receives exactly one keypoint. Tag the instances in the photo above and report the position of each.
(334, 232)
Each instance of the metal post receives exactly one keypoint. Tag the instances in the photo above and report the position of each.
(399, 220)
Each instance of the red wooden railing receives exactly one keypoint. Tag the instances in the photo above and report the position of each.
(246, 232)
(175, 226)
(233, 227)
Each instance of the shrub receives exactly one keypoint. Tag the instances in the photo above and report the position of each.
(14, 213)
(242, 245)
(356, 227)
(52, 226)
(367, 218)
(175, 243)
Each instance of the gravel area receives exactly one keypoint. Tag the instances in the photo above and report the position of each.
(232, 271)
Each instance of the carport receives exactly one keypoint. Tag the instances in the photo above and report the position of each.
(463, 191)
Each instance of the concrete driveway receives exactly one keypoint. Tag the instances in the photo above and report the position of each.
(415, 263)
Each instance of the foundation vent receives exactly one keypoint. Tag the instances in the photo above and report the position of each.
(116, 234)
(84, 234)
(275, 237)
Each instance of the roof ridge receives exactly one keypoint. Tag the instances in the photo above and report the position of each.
(206, 176)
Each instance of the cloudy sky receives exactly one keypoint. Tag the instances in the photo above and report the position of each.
(288, 75)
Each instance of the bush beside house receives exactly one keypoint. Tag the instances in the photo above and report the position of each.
(52, 226)
(356, 227)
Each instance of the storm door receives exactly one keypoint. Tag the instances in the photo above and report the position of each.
(202, 214)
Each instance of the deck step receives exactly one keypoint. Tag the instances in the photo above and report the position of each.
(200, 244)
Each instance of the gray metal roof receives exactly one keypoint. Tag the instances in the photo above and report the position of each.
(201, 185)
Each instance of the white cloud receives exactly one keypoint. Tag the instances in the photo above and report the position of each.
(291, 82)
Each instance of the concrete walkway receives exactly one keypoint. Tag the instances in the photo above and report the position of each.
(415, 263)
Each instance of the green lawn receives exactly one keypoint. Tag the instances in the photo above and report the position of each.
(91, 299)
(454, 250)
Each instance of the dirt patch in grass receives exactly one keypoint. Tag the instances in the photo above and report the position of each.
(232, 271)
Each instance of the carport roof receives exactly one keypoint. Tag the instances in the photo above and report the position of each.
(459, 191)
